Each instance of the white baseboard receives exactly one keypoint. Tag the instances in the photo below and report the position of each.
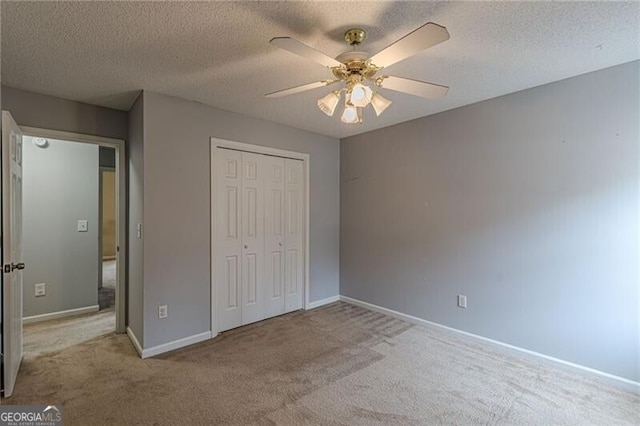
(610, 378)
(61, 314)
(167, 347)
(322, 302)
(135, 341)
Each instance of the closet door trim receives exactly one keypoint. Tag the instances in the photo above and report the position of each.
(264, 150)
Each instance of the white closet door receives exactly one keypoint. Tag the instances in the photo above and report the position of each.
(274, 236)
(252, 237)
(294, 228)
(228, 244)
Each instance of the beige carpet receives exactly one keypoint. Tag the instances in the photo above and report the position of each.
(336, 365)
(55, 335)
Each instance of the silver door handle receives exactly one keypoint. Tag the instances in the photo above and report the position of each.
(15, 266)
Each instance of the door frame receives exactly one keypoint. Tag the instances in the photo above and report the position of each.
(121, 205)
(265, 150)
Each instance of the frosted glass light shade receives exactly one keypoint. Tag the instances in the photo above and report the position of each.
(379, 103)
(327, 104)
(361, 95)
(351, 115)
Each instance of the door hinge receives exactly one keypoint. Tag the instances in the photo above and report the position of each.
(7, 269)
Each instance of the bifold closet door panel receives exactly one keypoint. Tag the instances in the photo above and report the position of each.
(294, 234)
(252, 228)
(274, 236)
(227, 250)
(258, 251)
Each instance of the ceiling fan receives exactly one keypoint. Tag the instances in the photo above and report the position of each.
(355, 68)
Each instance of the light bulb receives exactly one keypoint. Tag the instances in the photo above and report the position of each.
(360, 95)
(327, 104)
(351, 115)
(379, 103)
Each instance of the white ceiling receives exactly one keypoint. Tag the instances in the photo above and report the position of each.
(218, 53)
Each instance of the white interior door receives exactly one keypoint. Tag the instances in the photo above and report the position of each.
(227, 239)
(274, 236)
(252, 237)
(294, 234)
(11, 251)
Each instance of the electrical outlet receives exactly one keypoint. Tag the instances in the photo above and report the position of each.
(462, 301)
(162, 311)
(40, 289)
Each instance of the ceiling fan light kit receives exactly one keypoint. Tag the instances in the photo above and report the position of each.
(328, 104)
(355, 68)
(379, 103)
(360, 95)
(351, 114)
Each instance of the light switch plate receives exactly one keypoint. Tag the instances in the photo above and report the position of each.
(40, 289)
(83, 225)
(462, 301)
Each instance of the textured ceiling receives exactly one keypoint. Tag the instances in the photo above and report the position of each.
(218, 53)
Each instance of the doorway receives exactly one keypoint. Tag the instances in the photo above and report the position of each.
(66, 301)
(90, 226)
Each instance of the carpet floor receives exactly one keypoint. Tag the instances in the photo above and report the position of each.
(335, 365)
(107, 293)
(53, 336)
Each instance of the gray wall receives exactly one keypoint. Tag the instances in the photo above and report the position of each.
(528, 204)
(48, 112)
(135, 151)
(177, 208)
(60, 188)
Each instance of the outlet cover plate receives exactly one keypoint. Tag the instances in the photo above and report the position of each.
(40, 289)
(162, 311)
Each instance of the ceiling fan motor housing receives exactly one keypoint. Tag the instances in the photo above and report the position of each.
(355, 62)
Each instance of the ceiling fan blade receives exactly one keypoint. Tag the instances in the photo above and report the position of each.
(421, 39)
(413, 87)
(298, 89)
(301, 49)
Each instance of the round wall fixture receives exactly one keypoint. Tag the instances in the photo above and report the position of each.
(40, 142)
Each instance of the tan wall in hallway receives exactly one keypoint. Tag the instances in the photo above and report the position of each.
(108, 214)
